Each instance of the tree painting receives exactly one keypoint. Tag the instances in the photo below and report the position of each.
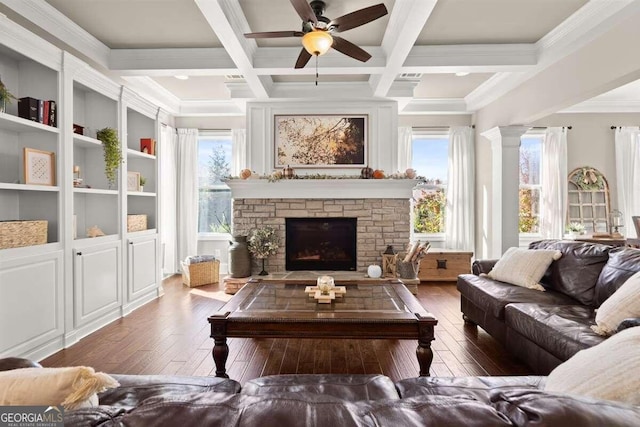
(320, 141)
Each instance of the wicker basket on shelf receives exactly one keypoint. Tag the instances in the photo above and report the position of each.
(202, 273)
(16, 234)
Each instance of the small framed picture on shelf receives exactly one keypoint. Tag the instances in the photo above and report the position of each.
(148, 146)
(133, 181)
(39, 167)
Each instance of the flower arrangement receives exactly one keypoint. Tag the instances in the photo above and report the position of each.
(278, 175)
(575, 227)
(263, 242)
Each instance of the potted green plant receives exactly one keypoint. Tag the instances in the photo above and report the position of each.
(143, 181)
(112, 154)
(574, 229)
(5, 96)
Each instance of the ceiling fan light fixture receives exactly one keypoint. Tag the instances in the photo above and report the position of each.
(317, 42)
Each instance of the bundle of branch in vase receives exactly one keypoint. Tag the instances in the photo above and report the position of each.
(416, 251)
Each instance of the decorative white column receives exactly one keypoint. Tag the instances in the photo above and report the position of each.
(505, 150)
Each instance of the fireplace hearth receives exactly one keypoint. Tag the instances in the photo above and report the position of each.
(321, 244)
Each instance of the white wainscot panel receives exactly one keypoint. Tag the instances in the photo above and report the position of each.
(31, 300)
(97, 281)
(143, 262)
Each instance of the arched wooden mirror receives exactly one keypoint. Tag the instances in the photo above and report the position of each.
(588, 199)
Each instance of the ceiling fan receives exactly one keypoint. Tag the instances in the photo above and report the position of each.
(318, 31)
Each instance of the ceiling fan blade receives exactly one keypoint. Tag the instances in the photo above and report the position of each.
(273, 34)
(350, 49)
(359, 17)
(303, 58)
(304, 10)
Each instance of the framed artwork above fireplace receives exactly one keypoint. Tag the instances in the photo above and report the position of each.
(320, 141)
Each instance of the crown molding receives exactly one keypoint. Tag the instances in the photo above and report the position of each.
(83, 73)
(28, 44)
(589, 22)
(58, 25)
(146, 103)
(166, 62)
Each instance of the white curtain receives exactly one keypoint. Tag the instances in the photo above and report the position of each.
(187, 192)
(553, 183)
(168, 200)
(627, 148)
(238, 151)
(405, 135)
(460, 216)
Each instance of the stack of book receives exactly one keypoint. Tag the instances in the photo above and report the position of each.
(38, 110)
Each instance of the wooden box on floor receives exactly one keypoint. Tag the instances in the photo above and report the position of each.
(444, 265)
(202, 273)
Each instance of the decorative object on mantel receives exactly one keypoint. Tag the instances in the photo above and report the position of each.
(5, 96)
(245, 173)
(239, 258)
(94, 231)
(288, 172)
(389, 261)
(374, 271)
(325, 290)
(112, 154)
(378, 174)
(278, 175)
(366, 173)
(263, 242)
(410, 173)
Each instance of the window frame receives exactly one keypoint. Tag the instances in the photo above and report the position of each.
(428, 134)
(210, 235)
(526, 238)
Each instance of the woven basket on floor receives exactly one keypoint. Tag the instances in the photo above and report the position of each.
(202, 273)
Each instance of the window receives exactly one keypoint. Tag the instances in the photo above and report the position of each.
(430, 158)
(529, 194)
(214, 197)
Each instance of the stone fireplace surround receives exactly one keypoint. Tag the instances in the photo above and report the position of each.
(382, 209)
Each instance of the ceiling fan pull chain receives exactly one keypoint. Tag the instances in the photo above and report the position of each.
(316, 70)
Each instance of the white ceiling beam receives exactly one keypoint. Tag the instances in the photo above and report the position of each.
(168, 62)
(228, 22)
(407, 19)
(45, 16)
(470, 57)
(211, 108)
(435, 106)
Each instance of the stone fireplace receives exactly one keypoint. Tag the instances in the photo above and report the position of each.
(381, 210)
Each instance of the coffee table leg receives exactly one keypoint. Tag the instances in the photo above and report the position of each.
(220, 353)
(425, 357)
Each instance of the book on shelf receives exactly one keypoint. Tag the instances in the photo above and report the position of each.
(53, 114)
(148, 146)
(28, 108)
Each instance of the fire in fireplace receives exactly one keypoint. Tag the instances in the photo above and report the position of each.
(321, 244)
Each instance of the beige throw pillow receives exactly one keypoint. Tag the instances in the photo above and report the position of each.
(524, 267)
(71, 387)
(609, 370)
(624, 303)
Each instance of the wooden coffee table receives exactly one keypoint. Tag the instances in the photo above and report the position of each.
(283, 310)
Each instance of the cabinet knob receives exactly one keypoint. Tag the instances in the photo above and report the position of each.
(79, 253)
(131, 243)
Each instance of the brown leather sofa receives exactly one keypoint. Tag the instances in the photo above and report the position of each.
(544, 329)
(341, 400)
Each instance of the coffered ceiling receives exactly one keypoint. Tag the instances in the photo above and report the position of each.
(416, 49)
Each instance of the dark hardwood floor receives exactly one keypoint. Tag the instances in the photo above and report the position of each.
(171, 336)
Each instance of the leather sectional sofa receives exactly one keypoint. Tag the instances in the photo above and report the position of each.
(544, 329)
(341, 400)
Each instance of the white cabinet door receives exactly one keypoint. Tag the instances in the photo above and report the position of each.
(31, 303)
(96, 281)
(142, 266)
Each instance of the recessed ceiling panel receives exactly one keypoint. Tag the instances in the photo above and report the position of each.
(322, 78)
(494, 21)
(122, 24)
(448, 85)
(279, 15)
(196, 87)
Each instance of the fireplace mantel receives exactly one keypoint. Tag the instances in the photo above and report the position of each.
(322, 188)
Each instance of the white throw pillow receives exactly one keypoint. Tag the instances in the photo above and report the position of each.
(624, 303)
(524, 267)
(609, 370)
(72, 387)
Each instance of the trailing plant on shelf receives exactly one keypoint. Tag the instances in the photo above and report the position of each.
(143, 181)
(5, 96)
(112, 153)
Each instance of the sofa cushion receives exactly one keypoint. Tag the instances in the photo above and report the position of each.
(348, 387)
(523, 267)
(538, 408)
(575, 274)
(622, 264)
(623, 304)
(134, 389)
(478, 388)
(560, 330)
(493, 296)
(610, 370)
